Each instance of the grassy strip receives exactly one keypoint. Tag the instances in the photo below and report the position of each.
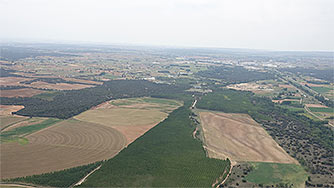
(63, 178)
(276, 173)
(327, 110)
(19, 132)
(167, 155)
(322, 89)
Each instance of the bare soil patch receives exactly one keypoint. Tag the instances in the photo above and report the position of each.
(64, 145)
(240, 138)
(25, 92)
(8, 109)
(12, 81)
(8, 120)
(316, 105)
(83, 81)
(254, 87)
(59, 86)
(285, 86)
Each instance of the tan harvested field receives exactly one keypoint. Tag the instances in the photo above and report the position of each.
(67, 144)
(25, 92)
(12, 81)
(83, 81)
(316, 105)
(8, 120)
(285, 86)
(240, 138)
(59, 86)
(132, 117)
(8, 109)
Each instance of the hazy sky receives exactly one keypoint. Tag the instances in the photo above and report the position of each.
(260, 24)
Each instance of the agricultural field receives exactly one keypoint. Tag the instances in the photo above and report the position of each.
(168, 155)
(259, 174)
(25, 92)
(6, 110)
(6, 121)
(63, 145)
(132, 117)
(239, 138)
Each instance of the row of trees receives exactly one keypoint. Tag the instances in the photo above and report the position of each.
(66, 104)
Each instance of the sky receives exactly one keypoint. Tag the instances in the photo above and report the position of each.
(303, 25)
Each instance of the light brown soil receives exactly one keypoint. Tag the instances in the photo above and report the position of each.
(59, 86)
(133, 132)
(83, 81)
(240, 138)
(316, 105)
(12, 81)
(25, 92)
(285, 86)
(64, 145)
(8, 120)
(8, 109)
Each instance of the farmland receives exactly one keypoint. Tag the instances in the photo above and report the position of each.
(25, 92)
(167, 155)
(299, 136)
(239, 138)
(64, 145)
(132, 117)
(67, 109)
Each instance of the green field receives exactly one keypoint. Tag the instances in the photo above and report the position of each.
(326, 110)
(18, 134)
(47, 95)
(167, 155)
(277, 174)
(322, 89)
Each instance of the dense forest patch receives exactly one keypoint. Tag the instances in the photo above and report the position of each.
(235, 74)
(325, 74)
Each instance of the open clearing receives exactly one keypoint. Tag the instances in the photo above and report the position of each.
(66, 144)
(275, 173)
(25, 92)
(240, 138)
(132, 117)
(8, 109)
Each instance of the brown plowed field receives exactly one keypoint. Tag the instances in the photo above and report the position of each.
(25, 92)
(8, 120)
(67, 144)
(240, 138)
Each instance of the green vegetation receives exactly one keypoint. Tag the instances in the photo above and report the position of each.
(277, 174)
(165, 156)
(49, 95)
(63, 178)
(235, 74)
(233, 101)
(322, 89)
(327, 110)
(17, 134)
